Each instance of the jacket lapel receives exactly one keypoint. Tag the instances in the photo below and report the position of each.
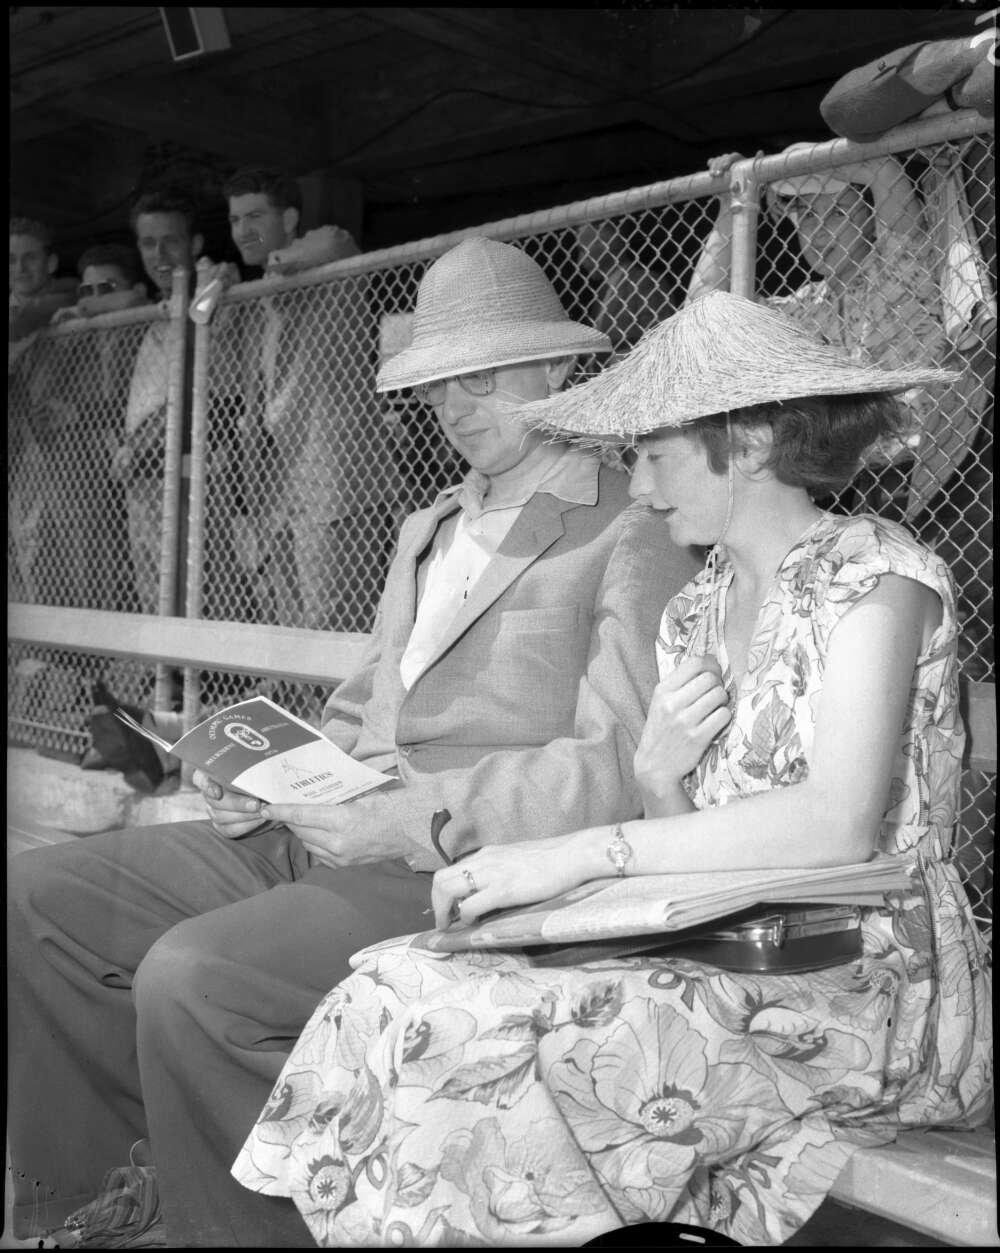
(538, 526)
(409, 553)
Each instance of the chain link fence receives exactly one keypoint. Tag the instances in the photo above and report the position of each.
(300, 475)
(86, 527)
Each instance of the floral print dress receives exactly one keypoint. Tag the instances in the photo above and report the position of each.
(478, 1099)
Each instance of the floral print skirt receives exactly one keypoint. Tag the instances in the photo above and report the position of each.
(478, 1099)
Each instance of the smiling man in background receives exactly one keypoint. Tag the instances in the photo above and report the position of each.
(164, 225)
(319, 486)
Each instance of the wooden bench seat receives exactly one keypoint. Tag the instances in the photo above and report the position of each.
(940, 1183)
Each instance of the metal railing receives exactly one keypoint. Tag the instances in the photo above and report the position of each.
(274, 479)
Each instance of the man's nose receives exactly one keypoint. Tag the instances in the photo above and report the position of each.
(637, 486)
(457, 402)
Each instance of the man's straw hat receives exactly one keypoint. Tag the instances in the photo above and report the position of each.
(482, 305)
(721, 352)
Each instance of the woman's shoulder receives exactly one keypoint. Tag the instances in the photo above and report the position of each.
(849, 555)
(866, 544)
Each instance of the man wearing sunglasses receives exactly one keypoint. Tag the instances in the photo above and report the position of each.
(110, 279)
(505, 687)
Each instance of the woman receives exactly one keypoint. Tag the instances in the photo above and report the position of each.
(806, 716)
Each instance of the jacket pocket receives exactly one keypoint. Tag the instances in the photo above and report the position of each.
(561, 618)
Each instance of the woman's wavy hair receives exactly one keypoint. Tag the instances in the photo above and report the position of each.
(818, 441)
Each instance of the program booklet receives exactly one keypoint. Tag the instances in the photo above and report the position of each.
(259, 748)
(647, 904)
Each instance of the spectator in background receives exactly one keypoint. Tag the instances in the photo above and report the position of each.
(67, 533)
(92, 514)
(920, 80)
(861, 230)
(35, 291)
(320, 491)
(110, 279)
(164, 225)
(35, 295)
(630, 296)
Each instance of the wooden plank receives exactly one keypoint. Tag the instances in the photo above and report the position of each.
(941, 1183)
(981, 726)
(292, 652)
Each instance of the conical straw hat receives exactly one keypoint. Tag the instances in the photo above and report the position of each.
(721, 352)
(482, 305)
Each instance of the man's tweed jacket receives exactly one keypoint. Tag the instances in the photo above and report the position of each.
(525, 722)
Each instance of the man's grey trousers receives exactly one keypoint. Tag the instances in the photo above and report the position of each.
(158, 978)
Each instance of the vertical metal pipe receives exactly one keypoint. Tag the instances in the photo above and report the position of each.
(746, 215)
(173, 452)
(196, 507)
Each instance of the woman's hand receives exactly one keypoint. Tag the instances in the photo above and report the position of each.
(231, 813)
(502, 876)
(688, 710)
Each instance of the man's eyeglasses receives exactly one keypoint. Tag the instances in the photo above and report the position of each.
(481, 383)
(104, 288)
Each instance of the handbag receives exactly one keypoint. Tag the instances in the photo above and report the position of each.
(788, 939)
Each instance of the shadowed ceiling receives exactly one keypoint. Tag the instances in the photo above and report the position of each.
(427, 119)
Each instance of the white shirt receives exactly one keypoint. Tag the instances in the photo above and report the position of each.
(465, 542)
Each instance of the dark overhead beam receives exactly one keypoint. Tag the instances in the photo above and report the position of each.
(430, 149)
(243, 126)
(490, 37)
(551, 165)
(562, 64)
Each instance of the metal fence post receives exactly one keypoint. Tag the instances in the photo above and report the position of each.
(745, 193)
(196, 513)
(173, 454)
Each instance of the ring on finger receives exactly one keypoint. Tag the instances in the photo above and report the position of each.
(470, 880)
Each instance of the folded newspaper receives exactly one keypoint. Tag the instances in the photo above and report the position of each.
(259, 748)
(647, 904)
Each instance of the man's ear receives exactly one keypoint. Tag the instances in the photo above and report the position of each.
(557, 372)
(290, 222)
(197, 246)
(141, 290)
(53, 263)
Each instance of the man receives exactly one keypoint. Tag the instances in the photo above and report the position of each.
(319, 491)
(861, 229)
(110, 279)
(506, 683)
(35, 295)
(35, 291)
(164, 224)
(89, 539)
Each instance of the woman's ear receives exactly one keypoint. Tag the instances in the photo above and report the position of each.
(752, 447)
